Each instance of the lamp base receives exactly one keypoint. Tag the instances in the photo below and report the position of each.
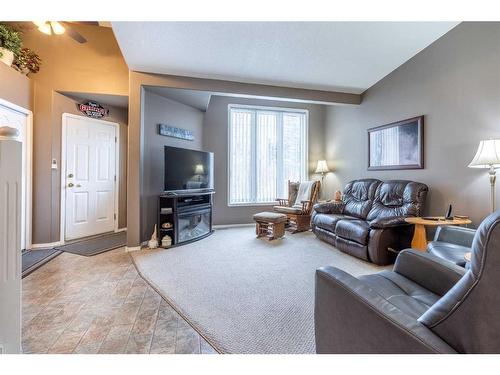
(493, 177)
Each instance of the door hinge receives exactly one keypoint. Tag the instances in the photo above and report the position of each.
(116, 139)
(115, 177)
(114, 216)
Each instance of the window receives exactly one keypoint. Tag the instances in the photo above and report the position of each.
(267, 147)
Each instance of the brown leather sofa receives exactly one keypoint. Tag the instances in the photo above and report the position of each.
(370, 219)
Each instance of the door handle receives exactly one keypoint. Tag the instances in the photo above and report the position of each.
(70, 184)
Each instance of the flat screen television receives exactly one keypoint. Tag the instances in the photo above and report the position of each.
(188, 170)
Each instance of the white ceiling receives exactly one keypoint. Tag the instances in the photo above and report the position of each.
(337, 56)
(193, 98)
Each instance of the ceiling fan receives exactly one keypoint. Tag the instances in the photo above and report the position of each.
(57, 28)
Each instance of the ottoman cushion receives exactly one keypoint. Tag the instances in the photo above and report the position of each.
(270, 217)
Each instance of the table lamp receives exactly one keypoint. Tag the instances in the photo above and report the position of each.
(322, 168)
(488, 156)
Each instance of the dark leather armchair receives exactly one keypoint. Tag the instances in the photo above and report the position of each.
(369, 222)
(452, 243)
(424, 305)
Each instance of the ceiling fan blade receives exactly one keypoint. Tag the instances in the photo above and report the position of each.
(72, 33)
(88, 23)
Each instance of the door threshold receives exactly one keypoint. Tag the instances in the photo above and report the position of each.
(76, 240)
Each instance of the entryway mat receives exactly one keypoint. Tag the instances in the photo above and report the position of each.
(34, 259)
(96, 245)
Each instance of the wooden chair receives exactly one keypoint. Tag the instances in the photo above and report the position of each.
(297, 209)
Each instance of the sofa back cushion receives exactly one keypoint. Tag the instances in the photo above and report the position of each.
(398, 198)
(358, 197)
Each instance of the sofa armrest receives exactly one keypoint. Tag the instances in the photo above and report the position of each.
(329, 207)
(350, 317)
(455, 235)
(427, 270)
(388, 222)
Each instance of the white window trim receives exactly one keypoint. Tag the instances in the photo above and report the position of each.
(261, 108)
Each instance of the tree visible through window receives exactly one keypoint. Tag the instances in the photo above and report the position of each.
(267, 147)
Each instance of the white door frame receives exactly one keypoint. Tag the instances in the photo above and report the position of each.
(27, 202)
(65, 116)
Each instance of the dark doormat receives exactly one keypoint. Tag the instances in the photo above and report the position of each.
(34, 259)
(96, 245)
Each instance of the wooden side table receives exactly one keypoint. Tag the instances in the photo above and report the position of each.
(419, 240)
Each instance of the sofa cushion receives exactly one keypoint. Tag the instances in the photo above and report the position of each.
(398, 198)
(329, 221)
(403, 293)
(449, 251)
(354, 230)
(358, 197)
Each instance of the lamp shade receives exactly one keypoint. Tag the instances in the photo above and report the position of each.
(198, 169)
(487, 154)
(322, 167)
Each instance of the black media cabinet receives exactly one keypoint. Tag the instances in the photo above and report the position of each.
(189, 214)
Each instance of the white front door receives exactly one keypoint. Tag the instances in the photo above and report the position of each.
(90, 177)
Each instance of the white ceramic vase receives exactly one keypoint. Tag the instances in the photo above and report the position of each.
(7, 56)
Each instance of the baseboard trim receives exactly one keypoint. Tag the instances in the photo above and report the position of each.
(225, 226)
(121, 230)
(49, 245)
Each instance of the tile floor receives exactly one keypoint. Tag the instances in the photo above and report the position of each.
(99, 304)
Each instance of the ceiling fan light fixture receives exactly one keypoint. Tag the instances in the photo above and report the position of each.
(45, 28)
(39, 23)
(57, 27)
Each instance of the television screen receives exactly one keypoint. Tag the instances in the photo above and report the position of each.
(188, 169)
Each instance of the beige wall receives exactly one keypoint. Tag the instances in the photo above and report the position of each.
(215, 139)
(15, 87)
(94, 67)
(160, 110)
(455, 84)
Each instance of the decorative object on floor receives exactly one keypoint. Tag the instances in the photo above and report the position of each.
(247, 295)
(419, 240)
(369, 222)
(301, 198)
(172, 131)
(399, 145)
(338, 196)
(153, 242)
(92, 109)
(424, 305)
(10, 44)
(270, 224)
(488, 156)
(322, 168)
(96, 245)
(27, 61)
(34, 259)
(452, 243)
(166, 241)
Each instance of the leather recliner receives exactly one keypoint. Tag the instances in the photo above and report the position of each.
(370, 223)
(424, 305)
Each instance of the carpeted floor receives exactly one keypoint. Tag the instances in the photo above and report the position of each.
(243, 294)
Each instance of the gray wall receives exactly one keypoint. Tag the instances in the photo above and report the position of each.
(215, 139)
(158, 109)
(455, 83)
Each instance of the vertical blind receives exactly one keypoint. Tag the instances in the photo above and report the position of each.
(267, 147)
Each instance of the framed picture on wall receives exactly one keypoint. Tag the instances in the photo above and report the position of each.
(399, 145)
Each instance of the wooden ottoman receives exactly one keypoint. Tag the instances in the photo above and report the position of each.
(270, 224)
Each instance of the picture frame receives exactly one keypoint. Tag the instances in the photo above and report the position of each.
(398, 145)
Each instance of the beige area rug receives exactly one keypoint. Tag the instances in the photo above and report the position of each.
(243, 294)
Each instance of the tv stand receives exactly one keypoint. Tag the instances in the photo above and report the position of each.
(188, 214)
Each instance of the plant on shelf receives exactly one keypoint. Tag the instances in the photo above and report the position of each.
(27, 61)
(10, 44)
